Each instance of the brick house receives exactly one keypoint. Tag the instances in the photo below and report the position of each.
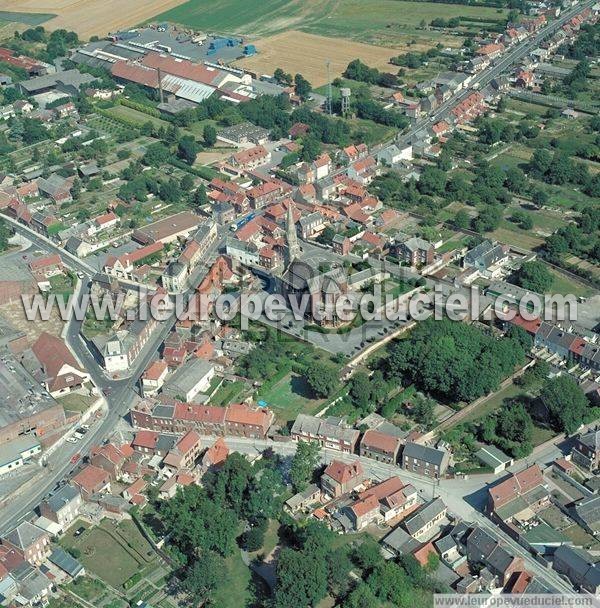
(30, 542)
(92, 480)
(340, 478)
(380, 446)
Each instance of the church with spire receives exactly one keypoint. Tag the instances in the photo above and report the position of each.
(299, 278)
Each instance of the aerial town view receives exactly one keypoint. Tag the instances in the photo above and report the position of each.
(299, 303)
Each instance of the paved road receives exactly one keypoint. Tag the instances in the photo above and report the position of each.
(119, 394)
(500, 66)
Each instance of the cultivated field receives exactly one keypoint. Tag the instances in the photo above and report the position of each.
(307, 53)
(384, 22)
(89, 17)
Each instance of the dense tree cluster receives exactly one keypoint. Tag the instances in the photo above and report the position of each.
(454, 360)
(357, 70)
(565, 402)
(203, 523)
(535, 276)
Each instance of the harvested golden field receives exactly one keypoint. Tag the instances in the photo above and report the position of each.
(295, 51)
(89, 17)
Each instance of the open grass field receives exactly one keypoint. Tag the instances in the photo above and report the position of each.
(86, 17)
(383, 22)
(289, 397)
(565, 285)
(113, 553)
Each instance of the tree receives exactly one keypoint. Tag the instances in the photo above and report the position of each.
(265, 492)
(424, 412)
(516, 181)
(540, 162)
(210, 136)
(302, 577)
(254, 538)
(187, 149)
(454, 360)
(157, 154)
(187, 182)
(204, 576)
(304, 463)
(461, 219)
(302, 86)
(361, 597)
(367, 555)
(566, 403)
(311, 148)
(539, 198)
(432, 181)
(200, 197)
(321, 378)
(534, 275)
(282, 77)
(4, 235)
(339, 567)
(360, 390)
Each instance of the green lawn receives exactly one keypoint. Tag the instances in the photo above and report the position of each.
(234, 593)
(494, 402)
(374, 21)
(228, 393)
(76, 403)
(564, 285)
(271, 539)
(135, 115)
(112, 553)
(290, 397)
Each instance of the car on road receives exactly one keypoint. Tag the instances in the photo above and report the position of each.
(106, 391)
(85, 426)
(81, 430)
(71, 439)
(75, 458)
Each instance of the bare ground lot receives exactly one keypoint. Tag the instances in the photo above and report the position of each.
(89, 17)
(296, 51)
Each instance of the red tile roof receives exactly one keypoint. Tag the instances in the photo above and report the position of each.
(91, 478)
(343, 472)
(381, 441)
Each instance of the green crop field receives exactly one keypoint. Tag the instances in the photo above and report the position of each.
(32, 19)
(373, 21)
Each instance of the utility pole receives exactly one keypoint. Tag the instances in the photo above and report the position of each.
(329, 93)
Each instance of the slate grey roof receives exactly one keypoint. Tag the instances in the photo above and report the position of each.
(66, 562)
(428, 513)
(588, 510)
(62, 497)
(480, 544)
(401, 541)
(25, 535)
(424, 453)
(591, 439)
(580, 562)
(72, 78)
(445, 543)
(316, 427)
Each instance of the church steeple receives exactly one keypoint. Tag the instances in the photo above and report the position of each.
(293, 247)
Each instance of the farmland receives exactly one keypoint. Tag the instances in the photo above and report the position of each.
(296, 51)
(85, 18)
(382, 22)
